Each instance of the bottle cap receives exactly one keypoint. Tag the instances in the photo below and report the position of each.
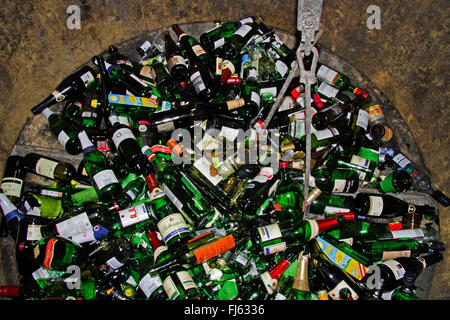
(175, 146)
(284, 164)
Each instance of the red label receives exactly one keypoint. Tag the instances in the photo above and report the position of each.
(161, 148)
(214, 249)
(49, 252)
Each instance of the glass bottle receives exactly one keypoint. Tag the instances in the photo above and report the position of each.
(48, 167)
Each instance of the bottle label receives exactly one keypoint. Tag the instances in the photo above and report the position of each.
(58, 96)
(219, 43)
(334, 293)
(275, 248)
(281, 67)
(407, 233)
(131, 216)
(63, 138)
(78, 224)
(243, 30)
(113, 263)
(34, 232)
(342, 260)
(324, 134)
(362, 162)
(269, 232)
(264, 175)
(49, 253)
(158, 251)
(327, 90)
(363, 119)
(255, 98)
(375, 113)
(376, 206)
(87, 78)
(229, 133)
(197, 82)
(214, 249)
(315, 230)
(327, 74)
(175, 61)
(105, 178)
(148, 285)
(401, 160)
(46, 167)
(198, 50)
(396, 268)
(186, 280)
(87, 236)
(389, 255)
(340, 185)
(170, 288)
(269, 282)
(12, 186)
(171, 226)
(121, 135)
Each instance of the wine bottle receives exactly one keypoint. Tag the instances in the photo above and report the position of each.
(48, 167)
(13, 178)
(386, 206)
(176, 63)
(278, 237)
(300, 287)
(11, 215)
(102, 175)
(199, 73)
(70, 88)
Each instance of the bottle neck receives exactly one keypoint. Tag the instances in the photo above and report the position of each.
(176, 28)
(301, 278)
(277, 271)
(47, 113)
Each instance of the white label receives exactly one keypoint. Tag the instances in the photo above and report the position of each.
(330, 209)
(63, 138)
(324, 134)
(197, 82)
(363, 119)
(243, 30)
(376, 206)
(78, 224)
(219, 43)
(407, 233)
(396, 268)
(148, 284)
(334, 294)
(242, 258)
(204, 166)
(105, 178)
(269, 91)
(327, 90)
(46, 167)
(264, 175)
(186, 280)
(34, 233)
(327, 74)
(83, 237)
(339, 185)
(198, 50)
(269, 282)
(122, 134)
(131, 216)
(362, 162)
(87, 78)
(12, 186)
(255, 98)
(401, 160)
(145, 46)
(269, 232)
(170, 288)
(113, 263)
(281, 67)
(171, 226)
(275, 248)
(208, 143)
(314, 228)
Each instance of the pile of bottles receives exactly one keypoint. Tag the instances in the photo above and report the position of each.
(183, 192)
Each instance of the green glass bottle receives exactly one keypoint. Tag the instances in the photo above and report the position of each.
(333, 180)
(278, 237)
(287, 199)
(337, 79)
(185, 196)
(394, 182)
(42, 206)
(71, 87)
(158, 73)
(49, 167)
(386, 206)
(215, 37)
(176, 63)
(179, 285)
(102, 175)
(13, 178)
(64, 131)
(381, 250)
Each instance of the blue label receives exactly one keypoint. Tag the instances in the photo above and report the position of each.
(174, 233)
(14, 214)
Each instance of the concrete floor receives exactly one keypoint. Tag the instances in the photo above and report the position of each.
(407, 59)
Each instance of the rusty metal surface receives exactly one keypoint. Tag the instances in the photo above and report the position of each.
(35, 136)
